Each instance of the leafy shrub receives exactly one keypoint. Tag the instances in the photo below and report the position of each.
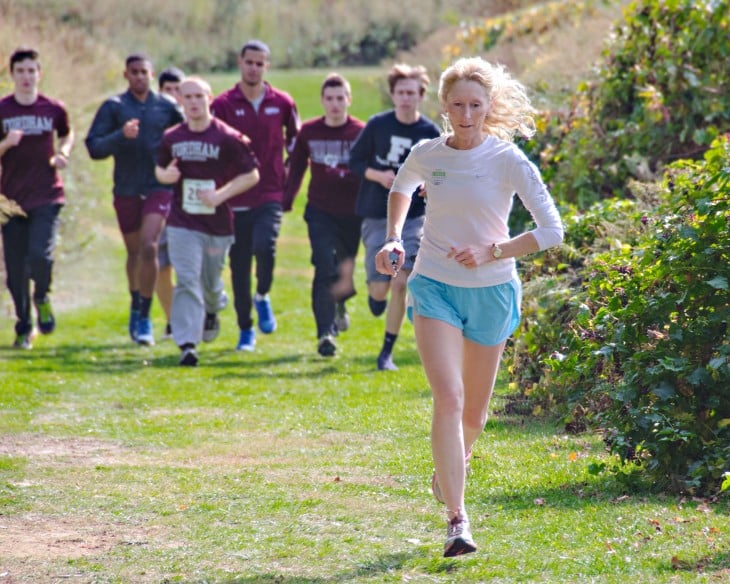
(650, 352)
(554, 295)
(658, 96)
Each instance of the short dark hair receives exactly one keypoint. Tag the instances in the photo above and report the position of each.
(256, 45)
(170, 74)
(134, 57)
(21, 54)
(335, 80)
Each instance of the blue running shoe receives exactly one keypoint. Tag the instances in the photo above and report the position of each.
(144, 332)
(46, 321)
(247, 340)
(133, 324)
(267, 322)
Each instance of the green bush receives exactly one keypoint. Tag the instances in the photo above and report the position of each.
(648, 350)
(554, 295)
(660, 95)
(625, 327)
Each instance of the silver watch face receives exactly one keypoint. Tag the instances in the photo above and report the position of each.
(496, 251)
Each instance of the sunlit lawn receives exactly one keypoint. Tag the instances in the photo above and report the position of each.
(116, 465)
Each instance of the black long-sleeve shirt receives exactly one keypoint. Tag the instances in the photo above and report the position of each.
(385, 143)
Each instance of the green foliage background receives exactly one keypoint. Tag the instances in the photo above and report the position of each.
(659, 95)
(649, 342)
(629, 319)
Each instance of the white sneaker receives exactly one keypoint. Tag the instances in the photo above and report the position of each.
(458, 538)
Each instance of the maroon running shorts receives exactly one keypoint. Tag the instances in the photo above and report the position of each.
(131, 210)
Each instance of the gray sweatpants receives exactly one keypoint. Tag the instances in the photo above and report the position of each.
(198, 260)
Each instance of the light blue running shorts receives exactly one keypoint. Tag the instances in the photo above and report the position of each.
(487, 315)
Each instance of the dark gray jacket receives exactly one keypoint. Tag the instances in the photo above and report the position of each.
(134, 160)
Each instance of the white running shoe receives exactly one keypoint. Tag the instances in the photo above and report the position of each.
(458, 538)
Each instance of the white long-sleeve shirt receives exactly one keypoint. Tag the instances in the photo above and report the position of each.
(470, 194)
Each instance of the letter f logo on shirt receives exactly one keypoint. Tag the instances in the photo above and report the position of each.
(398, 147)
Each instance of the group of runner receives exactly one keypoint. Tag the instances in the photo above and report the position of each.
(175, 164)
(214, 177)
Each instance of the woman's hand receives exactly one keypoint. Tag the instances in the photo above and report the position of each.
(470, 256)
(390, 258)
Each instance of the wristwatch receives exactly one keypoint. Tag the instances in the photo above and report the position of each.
(496, 251)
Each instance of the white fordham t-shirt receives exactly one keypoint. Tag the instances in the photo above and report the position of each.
(469, 199)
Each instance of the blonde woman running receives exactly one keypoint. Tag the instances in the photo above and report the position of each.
(464, 288)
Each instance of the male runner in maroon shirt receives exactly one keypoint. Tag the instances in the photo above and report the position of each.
(269, 118)
(208, 162)
(334, 227)
(28, 121)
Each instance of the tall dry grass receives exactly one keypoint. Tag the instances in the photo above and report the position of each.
(206, 35)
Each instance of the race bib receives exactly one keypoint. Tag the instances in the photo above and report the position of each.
(191, 203)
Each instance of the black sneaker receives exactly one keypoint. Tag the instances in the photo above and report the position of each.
(326, 346)
(189, 357)
(46, 321)
(167, 335)
(385, 362)
(342, 319)
(211, 327)
(458, 538)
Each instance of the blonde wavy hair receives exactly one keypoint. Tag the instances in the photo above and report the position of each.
(511, 111)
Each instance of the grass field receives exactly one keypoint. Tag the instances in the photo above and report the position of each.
(279, 466)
